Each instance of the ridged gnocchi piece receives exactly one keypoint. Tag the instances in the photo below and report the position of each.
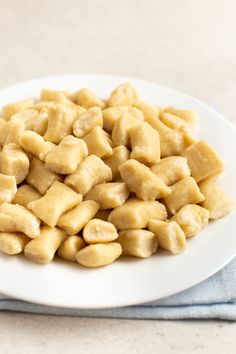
(150, 112)
(14, 162)
(202, 160)
(43, 248)
(185, 191)
(87, 121)
(109, 195)
(26, 117)
(145, 143)
(99, 255)
(119, 155)
(120, 131)
(138, 243)
(35, 143)
(8, 188)
(13, 243)
(98, 142)
(217, 202)
(60, 121)
(12, 108)
(123, 95)
(49, 94)
(16, 218)
(112, 114)
(174, 122)
(70, 247)
(91, 171)
(99, 231)
(171, 169)
(65, 157)
(135, 214)
(88, 99)
(169, 235)
(4, 127)
(41, 122)
(75, 219)
(142, 181)
(14, 132)
(188, 116)
(58, 199)
(26, 194)
(192, 219)
(47, 177)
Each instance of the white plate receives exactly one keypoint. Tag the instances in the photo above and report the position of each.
(129, 281)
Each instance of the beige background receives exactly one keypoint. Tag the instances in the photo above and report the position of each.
(186, 44)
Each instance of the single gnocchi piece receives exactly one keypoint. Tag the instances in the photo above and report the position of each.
(185, 191)
(12, 108)
(119, 155)
(120, 132)
(99, 255)
(88, 99)
(13, 243)
(14, 162)
(145, 143)
(26, 194)
(70, 247)
(60, 121)
(174, 122)
(99, 231)
(16, 218)
(40, 177)
(14, 132)
(87, 121)
(65, 101)
(171, 169)
(26, 117)
(123, 95)
(150, 112)
(35, 143)
(98, 142)
(8, 188)
(109, 195)
(65, 157)
(43, 248)
(50, 95)
(4, 128)
(112, 114)
(138, 243)
(188, 116)
(41, 122)
(75, 219)
(192, 219)
(58, 199)
(135, 214)
(202, 160)
(91, 171)
(217, 202)
(142, 181)
(169, 235)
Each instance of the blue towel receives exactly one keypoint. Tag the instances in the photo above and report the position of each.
(213, 298)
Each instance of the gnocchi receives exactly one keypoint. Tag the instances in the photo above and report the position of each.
(92, 179)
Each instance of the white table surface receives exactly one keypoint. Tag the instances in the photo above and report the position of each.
(185, 44)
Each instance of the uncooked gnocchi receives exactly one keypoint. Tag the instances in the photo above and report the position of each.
(90, 179)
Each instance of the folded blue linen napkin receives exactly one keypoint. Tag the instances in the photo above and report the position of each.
(213, 298)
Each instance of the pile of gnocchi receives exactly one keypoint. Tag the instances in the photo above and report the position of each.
(91, 179)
